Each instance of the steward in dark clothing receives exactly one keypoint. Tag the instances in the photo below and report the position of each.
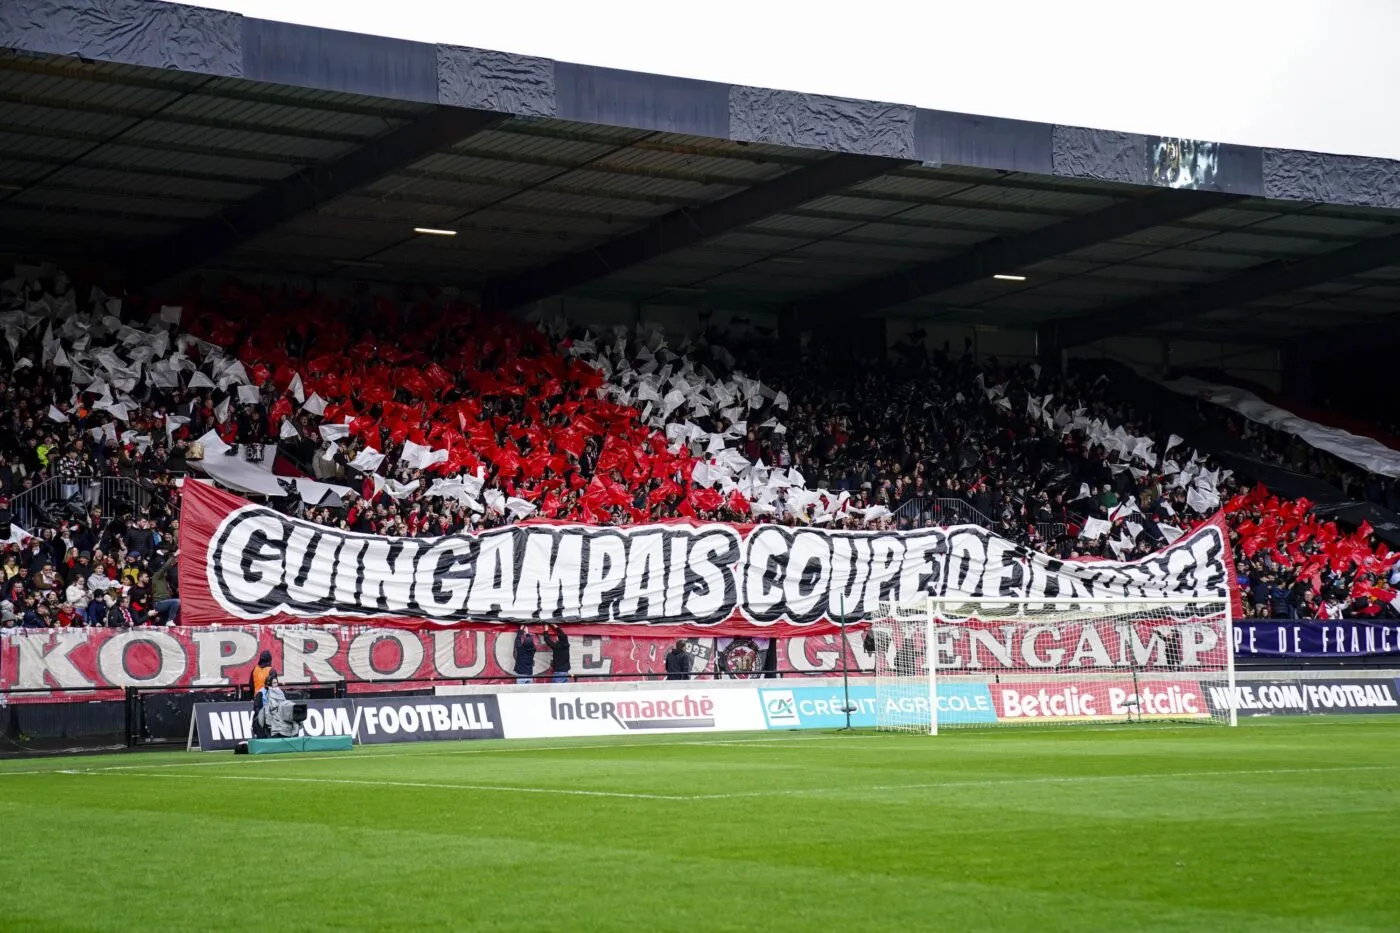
(558, 643)
(524, 656)
(678, 662)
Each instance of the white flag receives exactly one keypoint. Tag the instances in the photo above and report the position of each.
(297, 389)
(288, 430)
(248, 395)
(172, 424)
(56, 415)
(315, 404)
(367, 460)
(519, 507)
(334, 432)
(1094, 528)
(1169, 532)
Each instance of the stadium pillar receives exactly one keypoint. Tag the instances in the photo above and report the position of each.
(859, 338)
(1049, 350)
(1295, 371)
(789, 331)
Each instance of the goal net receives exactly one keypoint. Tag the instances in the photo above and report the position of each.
(943, 663)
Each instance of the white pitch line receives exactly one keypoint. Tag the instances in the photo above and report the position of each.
(1077, 779)
(784, 792)
(502, 788)
(657, 742)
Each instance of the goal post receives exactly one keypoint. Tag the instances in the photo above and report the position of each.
(943, 663)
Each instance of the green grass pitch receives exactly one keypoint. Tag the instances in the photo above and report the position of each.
(1278, 825)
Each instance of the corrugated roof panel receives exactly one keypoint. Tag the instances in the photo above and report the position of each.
(123, 202)
(662, 189)
(17, 117)
(287, 241)
(600, 205)
(885, 255)
(1256, 244)
(871, 208)
(1008, 222)
(702, 168)
(156, 160)
(14, 142)
(564, 129)
(754, 241)
(59, 92)
(235, 140)
(456, 163)
(39, 223)
(300, 96)
(1156, 275)
(1019, 199)
(17, 172)
(82, 176)
(402, 214)
(499, 146)
(1357, 228)
(913, 187)
(278, 117)
(816, 227)
(599, 227)
(410, 187)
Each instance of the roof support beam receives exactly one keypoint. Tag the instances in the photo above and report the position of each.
(308, 190)
(1270, 278)
(686, 227)
(1008, 254)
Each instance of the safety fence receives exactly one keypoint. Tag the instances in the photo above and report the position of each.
(60, 498)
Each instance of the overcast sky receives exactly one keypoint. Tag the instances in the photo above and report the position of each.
(1301, 74)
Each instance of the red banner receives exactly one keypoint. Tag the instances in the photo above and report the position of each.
(241, 562)
(367, 658)
(66, 660)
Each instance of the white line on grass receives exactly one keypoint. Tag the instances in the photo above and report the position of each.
(1076, 779)
(779, 792)
(657, 742)
(502, 788)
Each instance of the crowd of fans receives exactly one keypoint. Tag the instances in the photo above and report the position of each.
(426, 419)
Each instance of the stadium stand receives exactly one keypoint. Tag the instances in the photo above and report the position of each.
(421, 416)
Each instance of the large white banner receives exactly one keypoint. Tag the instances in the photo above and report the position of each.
(1365, 452)
(245, 562)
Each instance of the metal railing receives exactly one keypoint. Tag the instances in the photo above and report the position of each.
(926, 511)
(58, 498)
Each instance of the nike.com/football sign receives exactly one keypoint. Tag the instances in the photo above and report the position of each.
(251, 563)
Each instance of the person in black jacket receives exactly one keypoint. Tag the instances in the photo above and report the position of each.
(524, 656)
(678, 662)
(558, 643)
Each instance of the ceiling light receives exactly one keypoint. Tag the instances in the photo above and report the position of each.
(433, 231)
(1003, 277)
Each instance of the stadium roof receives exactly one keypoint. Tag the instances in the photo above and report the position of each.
(165, 170)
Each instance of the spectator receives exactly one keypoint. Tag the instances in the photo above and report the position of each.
(678, 662)
(524, 656)
(558, 643)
